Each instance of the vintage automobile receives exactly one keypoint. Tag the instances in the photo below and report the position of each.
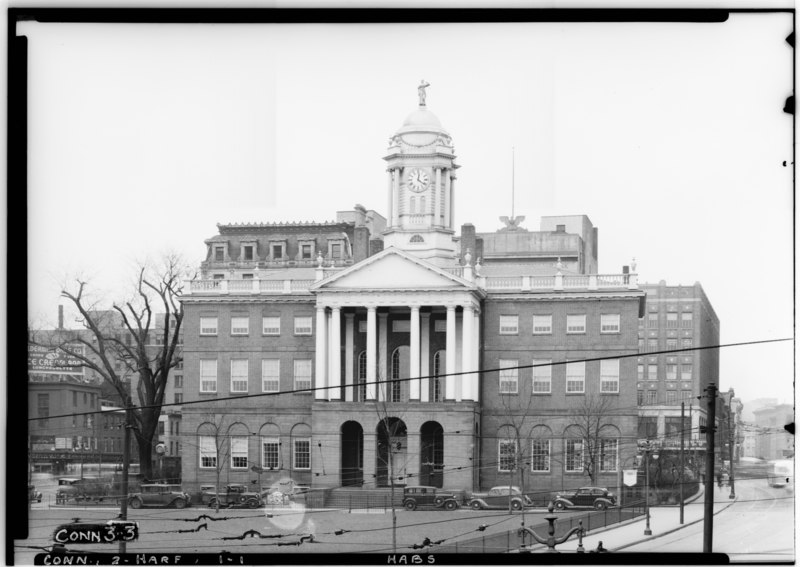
(232, 495)
(417, 496)
(34, 494)
(86, 488)
(586, 497)
(162, 495)
(498, 497)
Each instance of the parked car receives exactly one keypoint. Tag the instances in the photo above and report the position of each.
(86, 488)
(162, 495)
(34, 494)
(416, 496)
(498, 497)
(586, 497)
(233, 495)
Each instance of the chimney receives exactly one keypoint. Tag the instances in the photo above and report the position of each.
(60, 317)
(375, 246)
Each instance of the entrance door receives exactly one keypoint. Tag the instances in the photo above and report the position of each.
(431, 454)
(352, 445)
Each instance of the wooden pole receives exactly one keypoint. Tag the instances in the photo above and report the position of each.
(126, 458)
(680, 475)
(708, 511)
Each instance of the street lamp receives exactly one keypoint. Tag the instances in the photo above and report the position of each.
(647, 447)
(551, 540)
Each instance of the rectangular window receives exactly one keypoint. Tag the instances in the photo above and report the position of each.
(640, 371)
(609, 376)
(270, 375)
(672, 397)
(509, 374)
(305, 252)
(240, 325)
(161, 428)
(219, 253)
(506, 455)
(302, 374)
(270, 450)
(686, 396)
(686, 343)
(652, 345)
(672, 320)
(686, 371)
(179, 381)
(208, 325)
(208, 453)
(248, 253)
(686, 320)
(540, 455)
(509, 324)
(238, 452)
(672, 344)
(277, 251)
(302, 325)
(336, 250)
(609, 323)
(208, 376)
(542, 324)
(640, 397)
(574, 457)
(542, 376)
(74, 399)
(652, 397)
(239, 375)
(271, 325)
(43, 407)
(178, 398)
(576, 377)
(608, 455)
(652, 320)
(652, 372)
(672, 371)
(301, 455)
(576, 324)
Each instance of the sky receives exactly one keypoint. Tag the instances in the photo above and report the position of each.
(670, 137)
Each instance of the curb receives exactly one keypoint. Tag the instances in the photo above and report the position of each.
(673, 530)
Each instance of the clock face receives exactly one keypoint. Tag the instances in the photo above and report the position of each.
(418, 180)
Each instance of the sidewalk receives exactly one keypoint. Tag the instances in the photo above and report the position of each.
(663, 520)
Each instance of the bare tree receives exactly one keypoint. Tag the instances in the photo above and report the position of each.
(139, 336)
(214, 427)
(593, 422)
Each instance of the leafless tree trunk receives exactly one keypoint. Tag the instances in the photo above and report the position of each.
(214, 426)
(593, 418)
(118, 342)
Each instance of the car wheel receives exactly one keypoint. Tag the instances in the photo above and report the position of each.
(135, 503)
(475, 505)
(560, 505)
(600, 505)
(252, 503)
(450, 505)
(438, 501)
(410, 505)
(516, 505)
(180, 503)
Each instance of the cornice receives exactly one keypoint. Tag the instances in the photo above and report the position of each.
(250, 299)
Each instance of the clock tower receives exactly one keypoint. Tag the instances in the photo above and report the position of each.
(421, 172)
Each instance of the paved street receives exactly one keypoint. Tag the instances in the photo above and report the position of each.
(758, 527)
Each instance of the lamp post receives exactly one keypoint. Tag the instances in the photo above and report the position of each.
(647, 447)
(551, 540)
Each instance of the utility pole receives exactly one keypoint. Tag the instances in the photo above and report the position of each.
(680, 475)
(708, 508)
(731, 444)
(126, 458)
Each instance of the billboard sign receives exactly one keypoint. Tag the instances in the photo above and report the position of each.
(45, 360)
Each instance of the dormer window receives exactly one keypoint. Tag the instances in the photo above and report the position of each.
(336, 250)
(277, 251)
(305, 251)
(219, 253)
(248, 252)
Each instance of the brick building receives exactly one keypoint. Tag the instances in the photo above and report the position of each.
(303, 338)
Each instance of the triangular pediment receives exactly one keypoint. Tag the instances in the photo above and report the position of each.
(393, 269)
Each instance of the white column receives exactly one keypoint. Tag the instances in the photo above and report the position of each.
(424, 356)
(335, 378)
(476, 347)
(453, 202)
(348, 357)
(383, 339)
(322, 359)
(390, 206)
(447, 194)
(371, 361)
(450, 382)
(396, 197)
(413, 371)
(435, 196)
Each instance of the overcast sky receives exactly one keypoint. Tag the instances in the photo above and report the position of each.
(670, 137)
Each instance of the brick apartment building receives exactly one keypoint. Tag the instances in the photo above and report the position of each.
(304, 337)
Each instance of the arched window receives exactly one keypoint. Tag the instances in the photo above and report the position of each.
(422, 204)
(413, 205)
(362, 376)
(416, 239)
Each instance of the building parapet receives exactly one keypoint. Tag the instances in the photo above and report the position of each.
(248, 287)
(558, 282)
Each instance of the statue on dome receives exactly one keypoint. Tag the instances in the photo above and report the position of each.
(421, 91)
